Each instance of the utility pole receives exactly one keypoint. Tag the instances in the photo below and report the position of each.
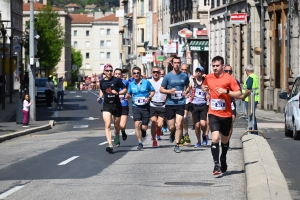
(31, 62)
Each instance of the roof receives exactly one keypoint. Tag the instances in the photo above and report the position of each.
(90, 6)
(37, 7)
(81, 19)
(72, 5)
(111, 17)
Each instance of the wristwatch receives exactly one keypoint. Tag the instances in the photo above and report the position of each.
(227, 92)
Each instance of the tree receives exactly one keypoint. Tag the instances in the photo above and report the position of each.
(76, 58)
(51, 39)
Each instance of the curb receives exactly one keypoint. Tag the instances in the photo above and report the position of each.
(27, 131)
(264, 178)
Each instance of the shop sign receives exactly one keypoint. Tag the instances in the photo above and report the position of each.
(201, 32)
(185, 33)
(199, 48)
(188, 57)
(144, 60)
(238, 18)
(169, 46)
(160, 58)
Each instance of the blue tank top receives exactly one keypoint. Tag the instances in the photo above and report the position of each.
(200, 95)
(124, 102)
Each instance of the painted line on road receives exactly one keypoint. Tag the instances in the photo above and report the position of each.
(72, 92)
(85, 92)
(9, 192)
(68, 160)
(81, 126)
(102, 143)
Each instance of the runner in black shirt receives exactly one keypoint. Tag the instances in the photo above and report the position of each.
(109, 89)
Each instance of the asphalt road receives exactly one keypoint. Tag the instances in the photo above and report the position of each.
(70, 162)
(286, 151)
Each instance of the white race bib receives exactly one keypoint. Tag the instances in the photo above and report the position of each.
(232, 106)
(122, 98)
(199, 93)
(177, 95)
(218, 104)
(140, 101)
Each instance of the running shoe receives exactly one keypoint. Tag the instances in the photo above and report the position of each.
(187, 140)
(204, 140)
(158, 137)
(198, 145)
(110, 149)
(172, 137)
(223, 164)
(140, 146)
(124, 135)
(181, 142)
(144, 133)
(163, 129)
(217, 170)
(154, 144)
(177, 149)
(117, 141)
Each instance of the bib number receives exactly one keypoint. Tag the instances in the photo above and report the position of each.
(140, 101)
(122, 98)
(177, 95)
(199, 93)
(218, 104)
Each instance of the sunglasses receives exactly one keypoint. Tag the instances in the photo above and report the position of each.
(156, 72)
(109, 70)
(198, 70)
(134, 73)
(228, 71)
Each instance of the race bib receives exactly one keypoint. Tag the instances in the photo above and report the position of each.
(232, 106)
(218, 104)
(199, 93)
(177, 95)
(122, 98)
(140, 101)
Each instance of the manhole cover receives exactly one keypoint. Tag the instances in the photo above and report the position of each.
(189, 183)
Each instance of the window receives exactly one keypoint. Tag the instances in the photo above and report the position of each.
(108, 43)
(87, 66)
(108, 55)
(101, 66)
(108, 31)
(75, 44)
(102, 55)
(102, 31)
(141, 35)
(141, 13)
(75, 33)
(102, 43)
(87, 44)
(87, 55)
(87, 33)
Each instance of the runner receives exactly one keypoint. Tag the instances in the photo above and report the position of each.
(157, 106)
(165, 124)
(199, 106)
(228, 69)
(176, 85)
(141, 92)
(109, 88)
(221, 87)
(125, 109)
(185, 140)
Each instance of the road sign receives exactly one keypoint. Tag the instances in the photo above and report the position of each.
(17, 48)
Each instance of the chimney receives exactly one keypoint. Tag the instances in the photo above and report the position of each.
(44, 2)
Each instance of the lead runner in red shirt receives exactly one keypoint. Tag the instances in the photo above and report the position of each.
(221, 87)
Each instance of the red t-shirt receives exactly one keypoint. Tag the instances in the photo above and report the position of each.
(220, 104)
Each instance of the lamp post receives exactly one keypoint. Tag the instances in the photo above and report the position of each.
(10, 65)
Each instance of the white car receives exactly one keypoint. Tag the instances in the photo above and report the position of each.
(292, 111)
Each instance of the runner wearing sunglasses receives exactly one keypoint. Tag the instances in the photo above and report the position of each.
(110, 90)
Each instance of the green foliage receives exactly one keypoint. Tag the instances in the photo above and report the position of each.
(77, 58)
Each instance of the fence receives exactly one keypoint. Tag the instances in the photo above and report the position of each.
(240, 109)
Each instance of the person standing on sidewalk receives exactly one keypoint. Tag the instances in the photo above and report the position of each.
(60, 93)
(110, 90)
(141, 92)
(176, 86)
(221, 87)
(199, 106)
(251, 84)
(125, 107)
(25, 110)
(49, 88)
(157, 106)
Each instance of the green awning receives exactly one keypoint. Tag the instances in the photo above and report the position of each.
(183, 47)
(199, 45)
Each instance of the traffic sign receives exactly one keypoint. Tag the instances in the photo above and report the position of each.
(17, 48)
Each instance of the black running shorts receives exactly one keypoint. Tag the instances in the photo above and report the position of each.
(141, 114)
(125, 110)
(199, 113)
(157, 112)
(221, 124)
(171, 111)
(115, 109)
(188, 107)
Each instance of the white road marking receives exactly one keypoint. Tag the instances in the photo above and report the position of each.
(131, 116)
(77, 96)
(72, 92)
(68, 160)
(132, 133)
(81, 126)
(91, 118)
(9, 192)
(104, 143)
(56, 114)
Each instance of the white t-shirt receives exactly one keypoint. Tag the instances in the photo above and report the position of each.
(60, 85)
(158, 97)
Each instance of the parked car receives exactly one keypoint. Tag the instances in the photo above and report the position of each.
(40, 84)
(292, 110)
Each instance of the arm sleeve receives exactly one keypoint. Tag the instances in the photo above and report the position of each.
(249, 83)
